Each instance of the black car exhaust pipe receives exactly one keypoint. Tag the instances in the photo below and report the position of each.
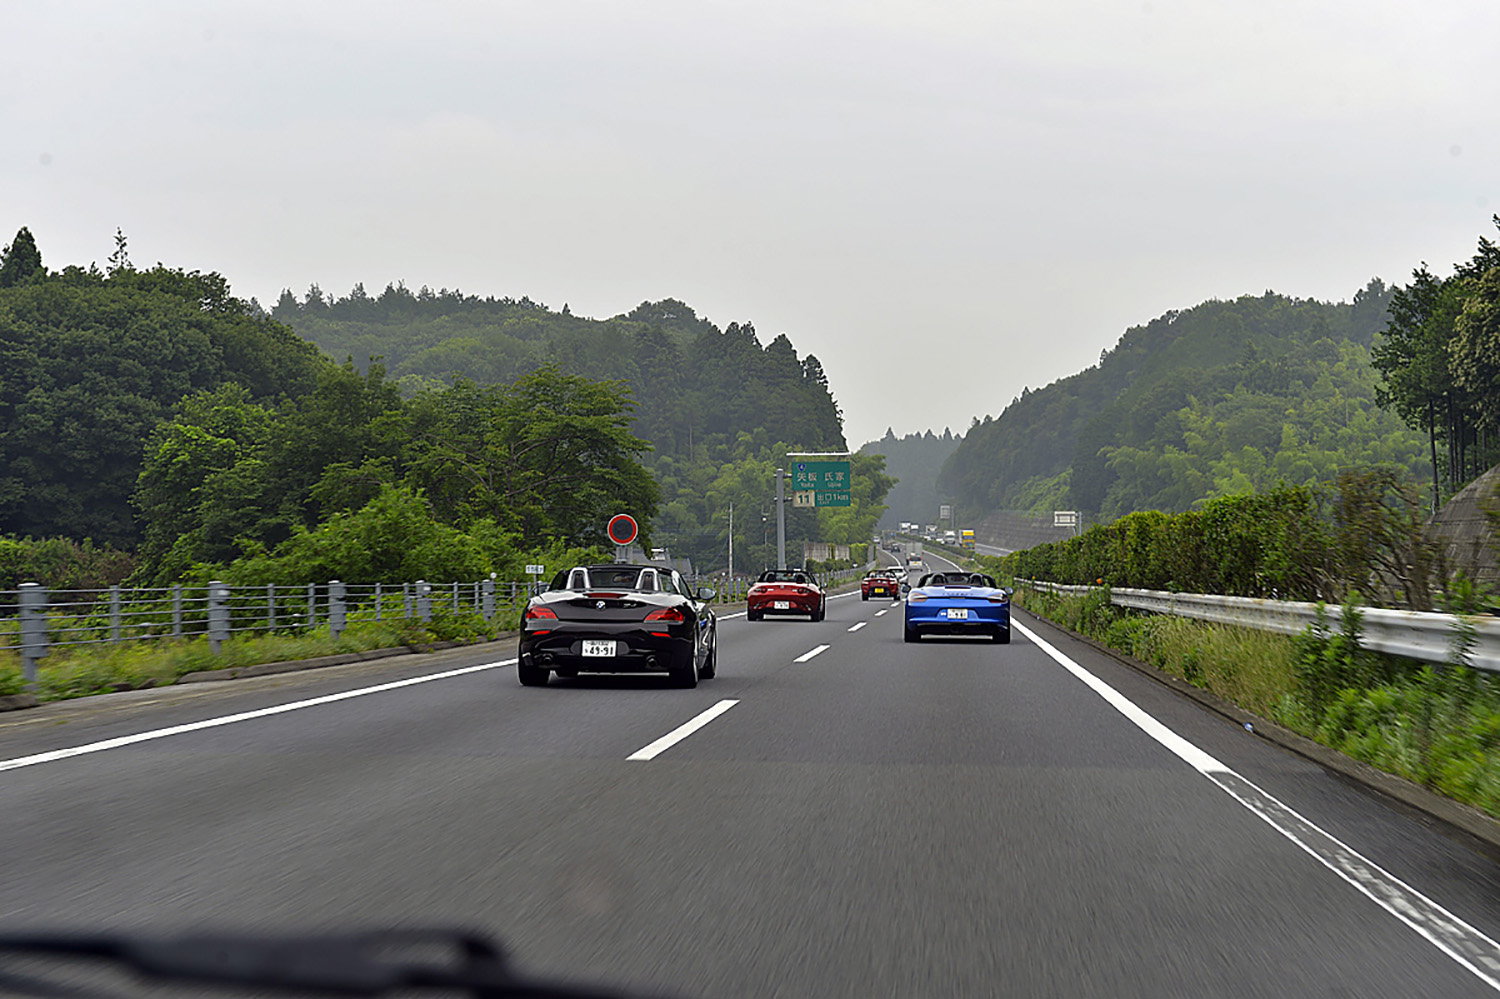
(651, 663)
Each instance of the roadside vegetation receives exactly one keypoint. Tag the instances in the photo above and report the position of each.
(81, 671)
(1437, 725)
(1363, 536)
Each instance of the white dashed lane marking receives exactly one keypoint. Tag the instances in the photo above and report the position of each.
(652, 750)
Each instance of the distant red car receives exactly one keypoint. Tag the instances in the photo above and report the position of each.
(786, 591)
(880, 583)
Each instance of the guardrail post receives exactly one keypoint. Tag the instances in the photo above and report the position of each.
(424, 600)
(406, 599)
(177, 611)
(312, 606)
(455, 598)
(114, 613)
(270, 606)
(218, 615)
(513, 585)
(488, 586)
(377, 601)
(33, 601)
(336, 609)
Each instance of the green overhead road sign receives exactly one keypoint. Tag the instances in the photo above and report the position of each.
(820, 483)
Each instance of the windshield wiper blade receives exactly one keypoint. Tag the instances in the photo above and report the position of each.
(356, 964)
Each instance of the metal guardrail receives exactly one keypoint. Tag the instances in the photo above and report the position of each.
(1428, 637)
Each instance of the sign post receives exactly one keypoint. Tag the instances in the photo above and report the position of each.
(781, 518)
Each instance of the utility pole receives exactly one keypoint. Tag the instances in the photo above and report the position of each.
(781, 518)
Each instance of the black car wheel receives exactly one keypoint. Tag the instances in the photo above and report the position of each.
(710, 666)
(751, 615)
(685, 673)
(910, 634)
(1002, 635)
(532, 676)
(864, 596)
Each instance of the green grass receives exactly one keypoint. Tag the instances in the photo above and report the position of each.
(1436, 725)
(80, 671)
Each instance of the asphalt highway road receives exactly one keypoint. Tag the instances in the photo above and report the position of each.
(954, 818)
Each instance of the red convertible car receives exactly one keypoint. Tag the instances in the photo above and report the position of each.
(880, 583)
(786, 591)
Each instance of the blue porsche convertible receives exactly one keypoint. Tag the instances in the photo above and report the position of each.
(958, 603)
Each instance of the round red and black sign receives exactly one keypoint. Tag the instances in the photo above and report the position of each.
(622, 529)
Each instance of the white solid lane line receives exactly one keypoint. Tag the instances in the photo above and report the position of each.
(672, 738)
(162, 733)
(808, 655)
(1451, 935)
(859, 626)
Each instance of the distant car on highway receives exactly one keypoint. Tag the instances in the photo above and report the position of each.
(880, 583)
(786, 591)
(957, 603)
(619, 619)
(915, 562)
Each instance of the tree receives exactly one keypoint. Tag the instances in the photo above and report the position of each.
(550, 456)
(120, 259)
(200, 486)
(1476, 350)
(21, 261)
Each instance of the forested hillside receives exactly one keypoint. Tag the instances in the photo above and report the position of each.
(192, 434)
(915, 462)
(92, 360)
(720, 409)
(1218, 399)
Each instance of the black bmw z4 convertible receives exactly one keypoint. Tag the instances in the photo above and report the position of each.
(619, 619)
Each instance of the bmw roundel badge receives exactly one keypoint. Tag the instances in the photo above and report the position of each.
(600, 605)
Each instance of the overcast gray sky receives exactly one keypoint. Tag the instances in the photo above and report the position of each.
(945, 201)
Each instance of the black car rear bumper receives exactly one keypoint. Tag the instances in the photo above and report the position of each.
(636, 650)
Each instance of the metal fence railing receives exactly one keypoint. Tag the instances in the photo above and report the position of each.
(35, 620)
(1428, 637)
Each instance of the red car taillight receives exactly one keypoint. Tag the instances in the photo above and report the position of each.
(540, 614)
(668, 615)
(999, 598)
